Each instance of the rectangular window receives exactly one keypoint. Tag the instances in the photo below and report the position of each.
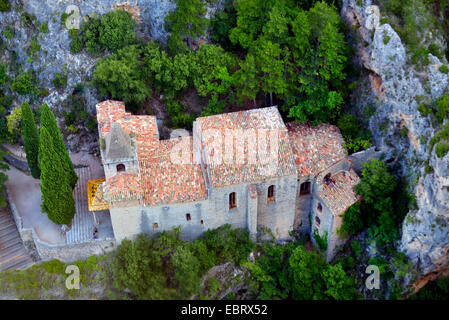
(155, 226)
(270, 197)
(232, 201)
(188, 218)
(304, 188)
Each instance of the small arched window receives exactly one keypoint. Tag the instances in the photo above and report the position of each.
(270, 197)
(121, 167)
(319, 207)
(188, 217)
(232, 200)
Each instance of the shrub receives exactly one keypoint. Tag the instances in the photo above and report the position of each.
(442, 149)
(8, 33)
(34, 48)
(321, 241)
(23, 84)
(444, 68)
(442, 105)
(14, 124)
(352, 220)
(44, 27)
(117, 30)
(228, 244)
(60, 80)
(424, 110)
(5, 5)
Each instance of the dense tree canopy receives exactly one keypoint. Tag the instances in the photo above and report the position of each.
(31, 139)
(57, 197)
(187, 22)
(48, 122)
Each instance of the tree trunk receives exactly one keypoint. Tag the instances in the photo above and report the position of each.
(271, 99)
(255, 105)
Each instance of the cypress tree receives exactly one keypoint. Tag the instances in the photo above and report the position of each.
(31, 139)
(49, 122)
(57, 196)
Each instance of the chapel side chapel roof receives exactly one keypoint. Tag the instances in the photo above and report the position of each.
(160, 180)
(315, 148)
(338, 195)
(223, 174)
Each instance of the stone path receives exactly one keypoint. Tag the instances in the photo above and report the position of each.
(83, 222)
(26, 194)
(13, 254)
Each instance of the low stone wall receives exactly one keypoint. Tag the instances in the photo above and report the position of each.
(63, 252)
(363, 156)
(77, 251)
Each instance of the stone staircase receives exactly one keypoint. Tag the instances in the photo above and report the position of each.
(83, 222)
(13, 254)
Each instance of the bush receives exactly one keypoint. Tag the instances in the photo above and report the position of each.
(352, 220)
(44, 27)
(8, 33)
(117, 30)
(444, 68)
(442, 149)
(60, 80)
(442, 105)
(5, 5)
(34, 48)
(23, 84)
(228, 244)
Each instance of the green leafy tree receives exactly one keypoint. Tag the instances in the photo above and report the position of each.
(305, 274)
(31, 139)
(186, 22)
(352, 220)
(117, 30)
(120, 76)
(186, 271)
(48, 122)
(23, 84)
(5, 5)
(376, 187)
(14, 124)
(57, 197)
(338, 285)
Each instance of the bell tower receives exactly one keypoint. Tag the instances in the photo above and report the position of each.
(120, 152)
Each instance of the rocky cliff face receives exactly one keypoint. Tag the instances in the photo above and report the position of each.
(54, 55)
(388, 96)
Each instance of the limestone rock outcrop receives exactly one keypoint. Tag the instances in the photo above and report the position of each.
(390, 91)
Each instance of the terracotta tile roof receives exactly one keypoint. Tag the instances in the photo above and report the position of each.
(110, 111)
(164, 180)
(264, 122)
(315, 148)
(160, 181)
(122, 186)
(339, 194)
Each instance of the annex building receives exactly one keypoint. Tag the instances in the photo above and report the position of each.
(248, 169)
